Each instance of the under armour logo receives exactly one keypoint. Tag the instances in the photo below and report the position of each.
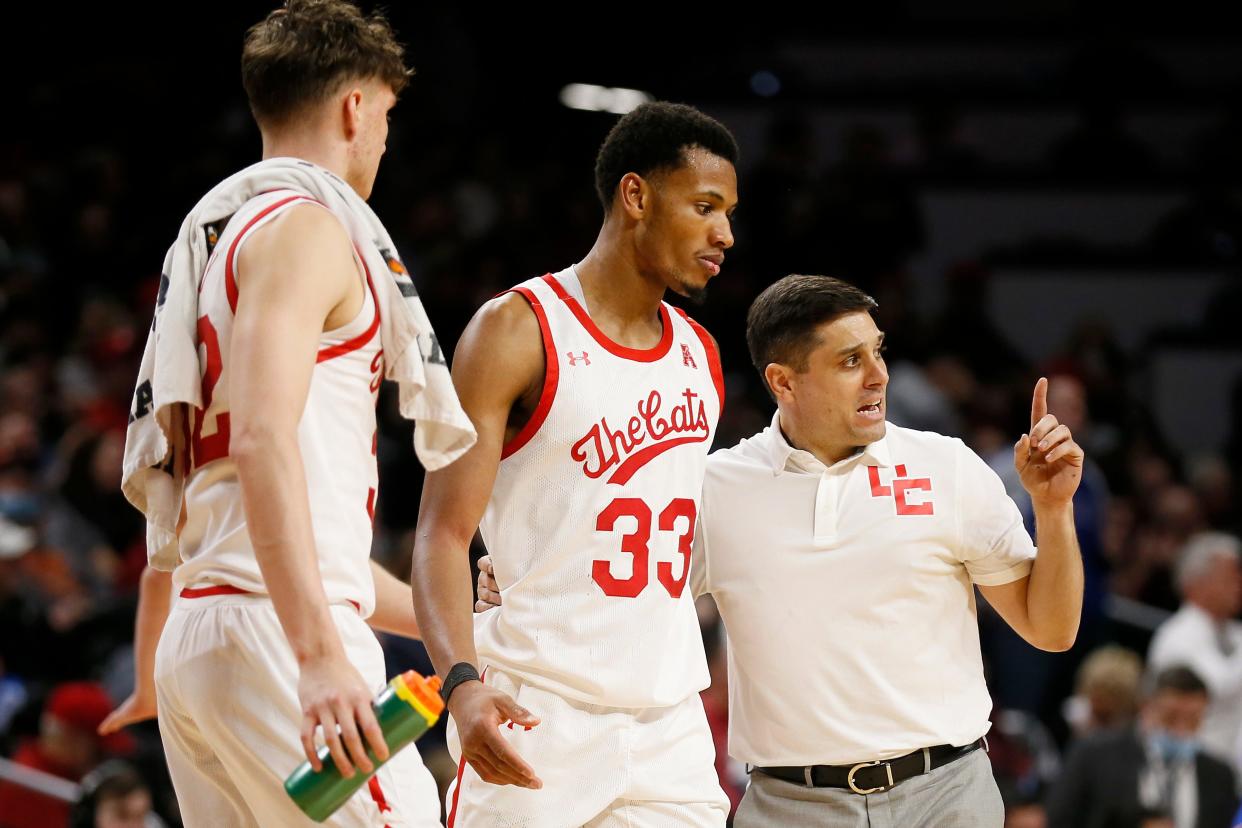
(686, 357)
(899, 491)
(574, 358)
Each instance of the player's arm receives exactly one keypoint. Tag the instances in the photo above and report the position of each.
(393, 611)
(498, 361)
(154, 599)
(295, 276)
(1045, 606)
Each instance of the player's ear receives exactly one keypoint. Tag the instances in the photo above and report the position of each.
(634, 195)
(350, 112)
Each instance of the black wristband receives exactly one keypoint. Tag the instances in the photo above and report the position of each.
(459, 672)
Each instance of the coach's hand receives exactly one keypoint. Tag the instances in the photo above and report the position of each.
(1048, 460)
(479, 712)
(488, 589)
(334, 697)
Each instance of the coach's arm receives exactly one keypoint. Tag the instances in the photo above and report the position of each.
(1045, 607)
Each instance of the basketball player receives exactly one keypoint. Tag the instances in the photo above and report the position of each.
(267, 643)
(595, 403)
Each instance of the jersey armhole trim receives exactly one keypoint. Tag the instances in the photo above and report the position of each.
(364, 337)
(713, 357)
(551, 377)
(230, 272)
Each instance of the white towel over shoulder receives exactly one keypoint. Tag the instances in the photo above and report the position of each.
(169, 383)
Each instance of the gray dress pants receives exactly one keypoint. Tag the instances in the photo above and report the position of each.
(961, 794)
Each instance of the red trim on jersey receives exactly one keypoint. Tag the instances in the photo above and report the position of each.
(229, 589)
(551, 377)
(377, 794)
(713, 356)
(635, 354)
(461, 765)
(461, 769)
(230, 278)
(363, 338)
(220, 589)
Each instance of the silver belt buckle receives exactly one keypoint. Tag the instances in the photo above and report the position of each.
(849, 779)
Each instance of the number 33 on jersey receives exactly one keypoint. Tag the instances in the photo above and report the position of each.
(593, 512)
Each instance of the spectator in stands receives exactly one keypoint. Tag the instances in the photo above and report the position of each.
(1106, 691)
(67, 746)
(114, 795)
(1151, 772)
(1206, 636)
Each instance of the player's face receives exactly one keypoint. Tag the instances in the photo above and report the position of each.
(371, 140)
(683, 241)
(839, 398)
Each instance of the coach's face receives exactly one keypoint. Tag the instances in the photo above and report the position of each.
(837, 401)
(686, 222)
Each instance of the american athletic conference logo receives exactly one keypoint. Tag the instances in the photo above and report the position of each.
(646, 435)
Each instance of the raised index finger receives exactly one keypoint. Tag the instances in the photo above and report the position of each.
(1039, 401)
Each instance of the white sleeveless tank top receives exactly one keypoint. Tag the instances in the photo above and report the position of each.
(593, 512)
(336, 436)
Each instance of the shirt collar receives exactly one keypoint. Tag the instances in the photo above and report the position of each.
(784, 457)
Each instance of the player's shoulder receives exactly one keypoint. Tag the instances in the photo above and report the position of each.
(506, 315)
(505, 334)
(303, 226)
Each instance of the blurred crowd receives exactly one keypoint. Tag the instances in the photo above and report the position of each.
(84, 222)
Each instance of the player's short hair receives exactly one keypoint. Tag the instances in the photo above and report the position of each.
(655, 137)
(781, 322)
(300, 53)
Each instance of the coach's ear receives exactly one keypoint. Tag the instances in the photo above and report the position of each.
(780, 381)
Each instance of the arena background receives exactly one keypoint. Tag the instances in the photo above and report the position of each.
(1031, 190)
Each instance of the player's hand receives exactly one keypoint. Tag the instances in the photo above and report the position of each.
(1047, 459)
(334, 697)
(139, 707)
(488, 589)
(479, 712)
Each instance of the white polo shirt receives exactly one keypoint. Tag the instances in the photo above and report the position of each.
(846, 593)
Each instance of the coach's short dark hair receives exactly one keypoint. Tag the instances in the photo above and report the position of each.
(1179, 679)
(781, 323)
(655, 137)
(302, 51)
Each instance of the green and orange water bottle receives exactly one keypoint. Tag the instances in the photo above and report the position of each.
(406, 708)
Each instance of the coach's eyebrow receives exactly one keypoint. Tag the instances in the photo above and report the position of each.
(859, 345)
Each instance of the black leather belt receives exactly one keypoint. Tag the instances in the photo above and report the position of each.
(873, 777)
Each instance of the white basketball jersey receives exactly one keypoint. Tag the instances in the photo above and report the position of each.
(592, 516)
(336, 435)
